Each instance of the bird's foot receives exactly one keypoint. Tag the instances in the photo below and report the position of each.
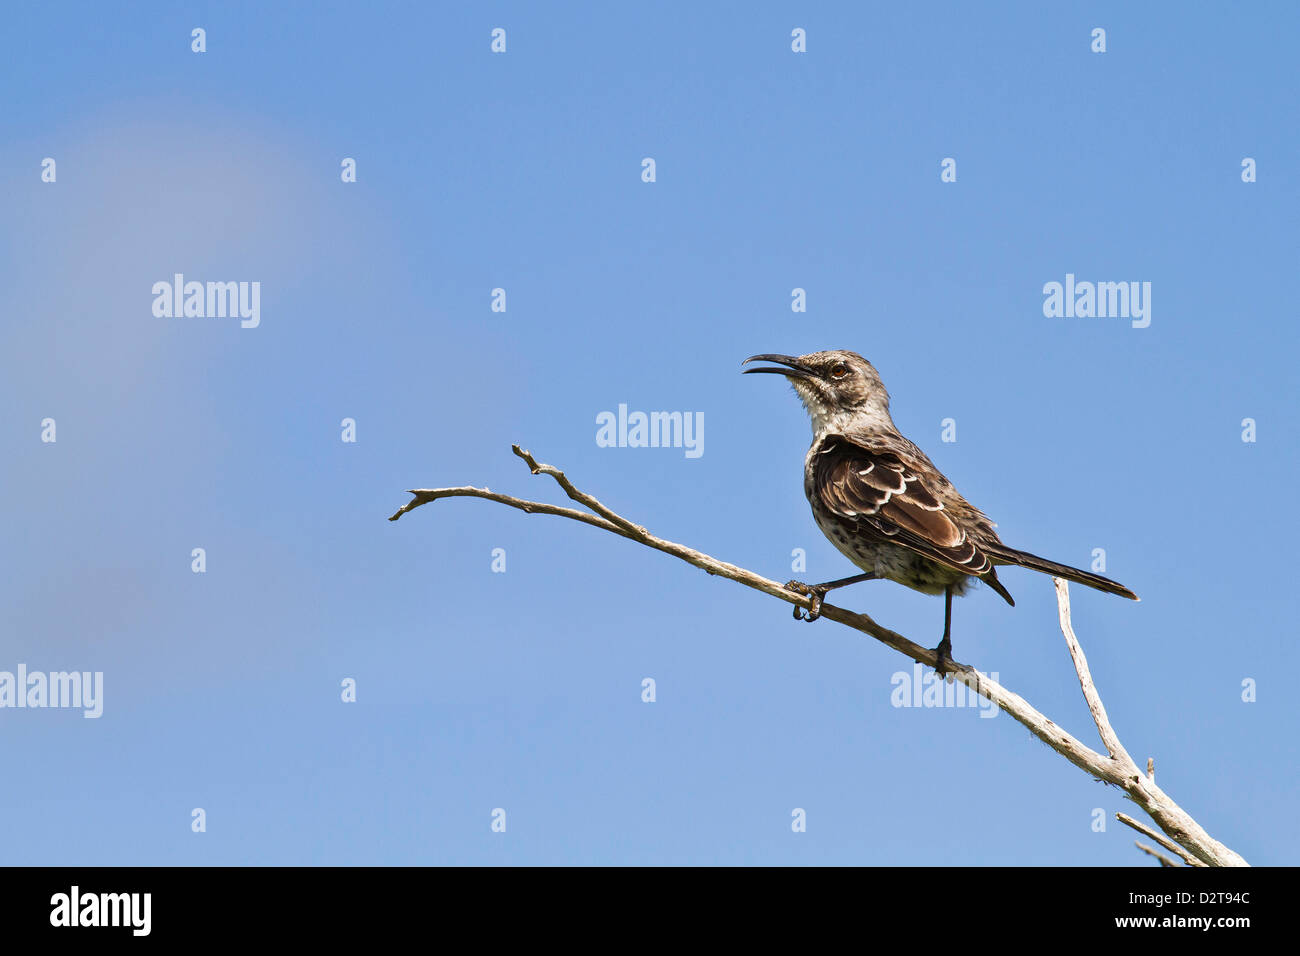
(944, 664)
(810, 591)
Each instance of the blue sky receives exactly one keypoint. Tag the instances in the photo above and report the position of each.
(522, 690)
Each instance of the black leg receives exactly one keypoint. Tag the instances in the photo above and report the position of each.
(944, 651)
(819, 591)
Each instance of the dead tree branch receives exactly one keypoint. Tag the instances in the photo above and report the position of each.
(1164, 860)
(1165, 842)
(1115, 767)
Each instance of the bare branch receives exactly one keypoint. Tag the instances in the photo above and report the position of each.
(1095, 706)
(1164, 860)
(1124, 773)
(633, 530)
(1115, 767)
(424, 495)
(1186, 857)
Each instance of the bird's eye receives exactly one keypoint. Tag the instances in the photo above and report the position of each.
(839, 370)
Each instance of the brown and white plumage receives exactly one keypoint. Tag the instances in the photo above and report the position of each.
(896, 499)
(883, 503)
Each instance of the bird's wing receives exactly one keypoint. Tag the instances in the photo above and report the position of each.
(889, 494)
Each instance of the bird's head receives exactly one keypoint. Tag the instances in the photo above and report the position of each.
(836, 387)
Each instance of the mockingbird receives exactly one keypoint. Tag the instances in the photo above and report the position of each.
(883, 504)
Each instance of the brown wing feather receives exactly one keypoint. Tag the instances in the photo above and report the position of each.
(896, 493)
(880, 489)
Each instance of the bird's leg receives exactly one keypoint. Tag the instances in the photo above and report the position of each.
(818, 591)
(943, 652)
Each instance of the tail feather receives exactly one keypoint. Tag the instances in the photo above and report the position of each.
(991, 579)
(1024, 559)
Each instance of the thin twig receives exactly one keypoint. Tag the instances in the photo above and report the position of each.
(1169, 845)
(424, 495)
(633, 530)
(1095, 706)
(1164, 860)
(1115, 767)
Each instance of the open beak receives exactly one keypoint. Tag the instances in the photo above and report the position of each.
(793, 367)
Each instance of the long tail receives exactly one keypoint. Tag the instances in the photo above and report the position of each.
(1026, 560)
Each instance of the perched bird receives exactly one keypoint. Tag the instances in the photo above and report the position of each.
(884, 504)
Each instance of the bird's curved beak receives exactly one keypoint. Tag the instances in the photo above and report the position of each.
(793, 367)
